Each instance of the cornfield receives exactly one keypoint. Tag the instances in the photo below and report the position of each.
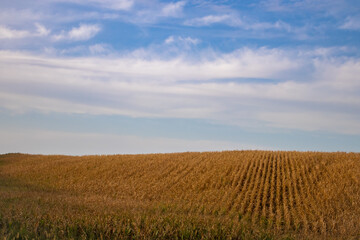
(223, 195)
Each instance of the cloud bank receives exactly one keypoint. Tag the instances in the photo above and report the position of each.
(253, 88)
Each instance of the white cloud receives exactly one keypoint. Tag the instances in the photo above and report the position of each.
(266, 25)
(82, 33)
(99, 48)
(52, 17)
(110, 4)
(339, 74)
(235, 21)
(328, 8)
(274, 5)
(153, 11)
(41, 30)
(351, 23)
(8, 33)
(212, 19)
(169, 40)
(184, 40)
(83, 49)
(173, 9)
(116, 4)
(19, 17)
(180, 87)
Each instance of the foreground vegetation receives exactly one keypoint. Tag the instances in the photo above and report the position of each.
(214, 195)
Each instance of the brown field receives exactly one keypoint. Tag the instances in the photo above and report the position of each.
(212, 195)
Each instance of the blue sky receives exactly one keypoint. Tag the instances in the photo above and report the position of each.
(136, 76)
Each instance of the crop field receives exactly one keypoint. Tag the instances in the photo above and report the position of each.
(211, 195)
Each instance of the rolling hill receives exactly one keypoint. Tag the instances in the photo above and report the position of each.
(222, 195)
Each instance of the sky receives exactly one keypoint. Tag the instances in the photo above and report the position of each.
(147, 76)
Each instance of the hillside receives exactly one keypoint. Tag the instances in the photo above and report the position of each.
(234, 194)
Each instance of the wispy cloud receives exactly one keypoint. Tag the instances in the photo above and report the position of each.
(99, 48)
(9, 33)
(213, 19)
(110, 4)
(157, 11)
(153, 87)
(351, 23)
(236, 21)
(11, 16)
(115, 4)
(173, 9)
(183, 40)
(41, 30)
(279, 25)
(330, 7)
(82, 33)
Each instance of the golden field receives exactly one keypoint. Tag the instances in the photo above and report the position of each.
(211, 195)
